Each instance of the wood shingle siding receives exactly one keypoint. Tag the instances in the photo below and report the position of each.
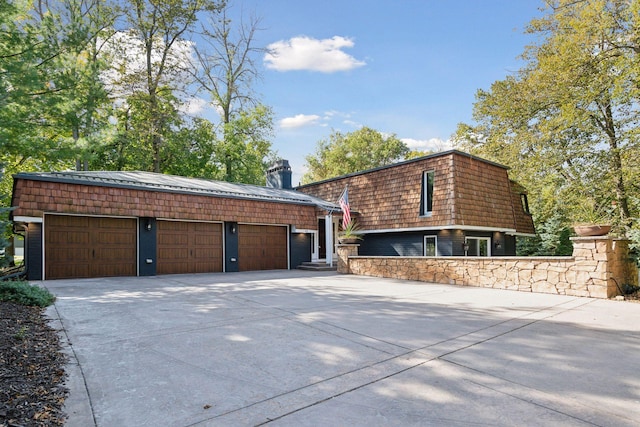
(468, 192)
(38, 197)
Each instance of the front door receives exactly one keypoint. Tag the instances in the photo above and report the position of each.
(322, 239)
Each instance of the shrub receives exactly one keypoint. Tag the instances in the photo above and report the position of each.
(25, 294)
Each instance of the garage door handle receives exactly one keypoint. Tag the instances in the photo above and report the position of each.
(93, 253)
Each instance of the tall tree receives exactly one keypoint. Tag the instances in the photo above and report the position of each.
(244, 153)
(75, 30)
(567, 121)
(163, 28)
(351, 152)
(226, 69)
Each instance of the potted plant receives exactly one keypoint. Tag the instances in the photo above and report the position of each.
(590, 220)
(349, 234)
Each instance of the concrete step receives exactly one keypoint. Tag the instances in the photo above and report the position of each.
(318, 266)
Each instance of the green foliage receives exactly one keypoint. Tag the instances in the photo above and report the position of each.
(350, 230)
(355, 151)
(244, 152)
(25, 294)
(552, 239)
(566, 122)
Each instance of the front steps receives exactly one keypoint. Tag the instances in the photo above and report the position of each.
(318, 266)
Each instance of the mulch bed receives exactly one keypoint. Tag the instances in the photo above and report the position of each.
(32, 375)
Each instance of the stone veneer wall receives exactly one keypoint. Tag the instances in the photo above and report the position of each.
(599, 268)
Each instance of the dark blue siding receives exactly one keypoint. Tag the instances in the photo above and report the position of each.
(392, 244)
(33, 251)
(231, 247)
(300, 249)
(147, 256)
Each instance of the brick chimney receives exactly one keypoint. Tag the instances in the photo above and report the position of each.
(279, 175)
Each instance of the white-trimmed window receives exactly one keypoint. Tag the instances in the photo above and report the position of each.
(478, 246)
(426, 199)
(430, 245)
(525, 202)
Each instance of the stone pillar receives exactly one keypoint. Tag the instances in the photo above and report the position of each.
(603, 266)
(344, 252)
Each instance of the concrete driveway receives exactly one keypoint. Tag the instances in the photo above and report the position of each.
(291, 348)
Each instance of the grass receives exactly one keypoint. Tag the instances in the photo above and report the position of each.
(22, 292)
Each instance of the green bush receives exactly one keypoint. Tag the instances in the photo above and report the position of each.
(25, 294)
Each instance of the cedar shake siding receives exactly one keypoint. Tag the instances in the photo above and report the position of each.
(32, 198)
(468, 192)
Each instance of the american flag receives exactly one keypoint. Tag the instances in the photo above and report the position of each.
(344, 205)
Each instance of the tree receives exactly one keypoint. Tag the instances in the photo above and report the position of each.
(226, 64)
(245, 152)
(351, 152)
(226, 70)
(78, 106)
(567, 121)
(161, 29)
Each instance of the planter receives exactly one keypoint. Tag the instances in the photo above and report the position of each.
(592, 230)
(348, 240)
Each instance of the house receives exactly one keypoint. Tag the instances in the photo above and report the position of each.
(445, 204)
(95, 224)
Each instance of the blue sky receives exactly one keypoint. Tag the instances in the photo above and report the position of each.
(410, 67)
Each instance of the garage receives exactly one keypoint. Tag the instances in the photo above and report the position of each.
(83, 246)
(189, 247)
(262, 247)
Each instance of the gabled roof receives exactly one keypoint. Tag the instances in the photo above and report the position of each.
(178, 184)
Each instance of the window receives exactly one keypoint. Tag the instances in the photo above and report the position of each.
(430, 246)
(426, 205)
(478, 246)
(525, 202)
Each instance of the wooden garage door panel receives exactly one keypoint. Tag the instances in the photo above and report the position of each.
(189, 247)
(78, 247)
(262, 247)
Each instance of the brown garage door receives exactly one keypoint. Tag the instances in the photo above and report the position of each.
(79, 246)
(262, 247)
(189, 247)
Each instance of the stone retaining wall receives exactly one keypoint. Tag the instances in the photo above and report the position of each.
(599, 268)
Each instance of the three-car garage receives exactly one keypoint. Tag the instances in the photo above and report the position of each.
(88, 246)
(116, 223)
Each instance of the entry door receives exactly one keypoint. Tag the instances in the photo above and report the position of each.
(322, 237)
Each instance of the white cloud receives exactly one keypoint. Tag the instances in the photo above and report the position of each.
(431, 145)
(352, 123)
(299, 120)
(194, 106)
(306, 53)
